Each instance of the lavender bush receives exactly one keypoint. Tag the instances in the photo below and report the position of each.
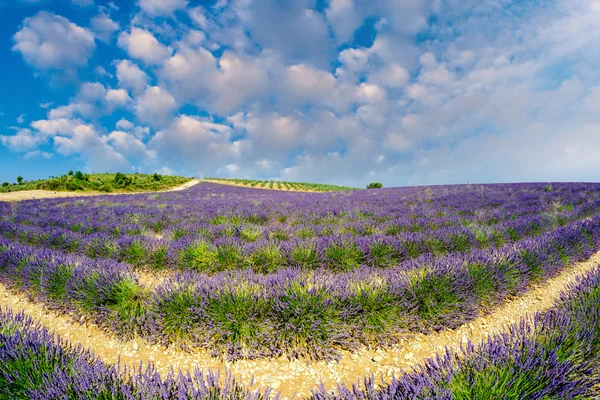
(551, 355)
(293, 312)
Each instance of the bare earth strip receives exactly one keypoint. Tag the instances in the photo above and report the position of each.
(49, 194)
(300, 376)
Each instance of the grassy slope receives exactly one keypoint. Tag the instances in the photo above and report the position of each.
(100, 183)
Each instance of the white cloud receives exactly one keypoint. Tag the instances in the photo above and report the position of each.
(161, 7)
(91, 147)
(130, 76)
(49, 41)
(101, 72)
(58, 126)
(142, 45)
(37, 154)
(24, 140)
(124, 124)
(21, 118)
(155, 106)
(130, 147)
(103, 26)
(197, 144)
(118, 97)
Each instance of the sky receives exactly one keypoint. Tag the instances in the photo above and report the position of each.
(410, 92)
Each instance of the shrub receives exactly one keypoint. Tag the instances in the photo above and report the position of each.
(374, 185)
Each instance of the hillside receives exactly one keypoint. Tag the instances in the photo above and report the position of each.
(102, 182)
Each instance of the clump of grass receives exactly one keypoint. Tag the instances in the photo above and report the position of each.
(134, 253)
(267, 259)
(344, 256)
(305, 255)
(306, 323)
(229, 257)
(128, 304)
(55, 285)
(236, 317)
(176, 320)
(249, 234)
(435, 296)
(382, 254)
(201, 256)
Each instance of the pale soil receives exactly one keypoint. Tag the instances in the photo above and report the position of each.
(301, 376)
(283, 188)
(50, 194)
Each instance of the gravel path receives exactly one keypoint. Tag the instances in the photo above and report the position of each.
(301, 376)
(49, 194)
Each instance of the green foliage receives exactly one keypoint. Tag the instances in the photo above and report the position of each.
(122, 180)
(70, 173)
(19, 179)
(5, 184)
(374, 185)
(435, 296)
(343, 257)
(104, 183)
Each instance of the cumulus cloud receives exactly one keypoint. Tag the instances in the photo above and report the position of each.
(103, 26)
(37, 154)
(155, 106)
(130, 76)
(161, 7)
(23, 140)
(193, 143)
(142, 45)
(49, 41)
(93, 148)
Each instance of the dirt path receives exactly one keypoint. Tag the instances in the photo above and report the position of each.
(49, 194)
(299, 376)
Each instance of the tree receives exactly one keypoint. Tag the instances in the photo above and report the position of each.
(19, 179)
(121, 180)
(5, 184)
(156, 177)
(70, 173)
(79, 175)
(374, 185)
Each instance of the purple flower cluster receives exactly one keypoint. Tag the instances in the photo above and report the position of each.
(293, 312)
(35, 364)
(549, 355)
(212, 228)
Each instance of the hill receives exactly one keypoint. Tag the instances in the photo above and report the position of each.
(102, 182)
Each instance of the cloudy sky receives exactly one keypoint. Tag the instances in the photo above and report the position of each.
(406, 92)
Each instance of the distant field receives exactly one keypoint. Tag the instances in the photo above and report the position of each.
(271, 276)
(104, 183)
(282, 185)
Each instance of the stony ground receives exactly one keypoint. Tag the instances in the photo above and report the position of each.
(299, 376)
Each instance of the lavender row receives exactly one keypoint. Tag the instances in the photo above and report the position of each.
(398, 208)
(549, 355)
(38, 365)
(293, 312)
(224, 248)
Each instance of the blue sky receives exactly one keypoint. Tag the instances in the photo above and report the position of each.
(407, 92)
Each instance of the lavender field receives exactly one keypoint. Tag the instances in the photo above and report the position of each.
(251, 274)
